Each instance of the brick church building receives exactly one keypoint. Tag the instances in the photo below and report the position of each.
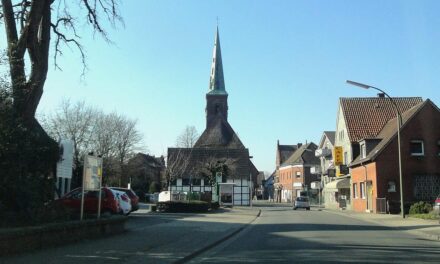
(218, 162)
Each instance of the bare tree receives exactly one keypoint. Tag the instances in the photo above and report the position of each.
(29, 26)
(75, 121)
(188, 137)
(178, 162)
(210, 166)
(112, 136)
(128, 140)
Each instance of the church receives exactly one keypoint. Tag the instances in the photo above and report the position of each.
(218, 163)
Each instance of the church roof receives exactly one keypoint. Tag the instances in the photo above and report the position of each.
(219, 134)
(217, 80)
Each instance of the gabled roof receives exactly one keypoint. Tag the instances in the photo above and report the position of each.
(327, 134)
(286, 151)
(219, 134)
(366, 116)
(389, 131)
(304, 155)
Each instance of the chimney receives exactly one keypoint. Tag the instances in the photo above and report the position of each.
(381, 95)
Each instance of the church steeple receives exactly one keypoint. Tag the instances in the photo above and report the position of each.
(216, 80)
(216, 97)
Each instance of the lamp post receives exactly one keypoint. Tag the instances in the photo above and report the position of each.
(399, 124)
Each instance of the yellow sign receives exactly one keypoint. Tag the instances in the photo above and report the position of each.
(338, 158)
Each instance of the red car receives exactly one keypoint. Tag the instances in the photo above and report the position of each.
(109, 203)
(132, 195)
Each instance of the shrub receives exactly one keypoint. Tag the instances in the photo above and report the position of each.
(420, 208)
(215, 205)
(27, 161)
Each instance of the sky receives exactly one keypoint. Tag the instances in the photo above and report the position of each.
(285, 65)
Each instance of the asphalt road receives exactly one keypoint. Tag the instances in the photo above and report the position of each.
(281, 235)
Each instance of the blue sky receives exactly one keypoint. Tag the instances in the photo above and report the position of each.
(285, 65)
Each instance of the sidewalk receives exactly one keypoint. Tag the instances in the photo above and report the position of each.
(426, 228)
(152, 238)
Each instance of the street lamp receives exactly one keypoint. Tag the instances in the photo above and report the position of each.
(399, 124)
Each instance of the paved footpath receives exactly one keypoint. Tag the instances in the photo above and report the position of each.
(427, 228)
(151, 238)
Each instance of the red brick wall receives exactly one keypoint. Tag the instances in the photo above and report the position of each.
(357, 176)
(425, 126)
(288, 177)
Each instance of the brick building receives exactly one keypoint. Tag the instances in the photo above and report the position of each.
(294, 174)
(375, 173)
(359, 118)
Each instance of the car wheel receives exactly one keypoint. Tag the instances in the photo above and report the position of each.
(294, 208)
(308, 208)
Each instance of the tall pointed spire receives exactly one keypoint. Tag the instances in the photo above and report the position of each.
(216, 80)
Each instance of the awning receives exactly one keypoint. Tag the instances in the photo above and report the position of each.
(338, 184)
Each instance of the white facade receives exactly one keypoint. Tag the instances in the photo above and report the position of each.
(64, 167)
(341, 137)
(241, 189)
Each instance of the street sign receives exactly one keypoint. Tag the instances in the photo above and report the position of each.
(92, 180)
(338, 158)
(92, 172)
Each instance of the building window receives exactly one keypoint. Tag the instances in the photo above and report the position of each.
(362, 190)
(185, 181)
(438, 147)
(355, 192)
(391, 186)
(196, 182)
(416, 148)
(298, 174)
(363, 151)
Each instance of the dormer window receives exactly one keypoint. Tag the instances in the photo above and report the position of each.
(417, 148)
(363, 151)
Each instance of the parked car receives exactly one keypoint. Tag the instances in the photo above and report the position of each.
(301, 202)
(132, 195)
(437, 204)
(109, 203)
(124, 202)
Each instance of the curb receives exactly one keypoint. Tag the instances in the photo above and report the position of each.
(215, 243)
(416, 232)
